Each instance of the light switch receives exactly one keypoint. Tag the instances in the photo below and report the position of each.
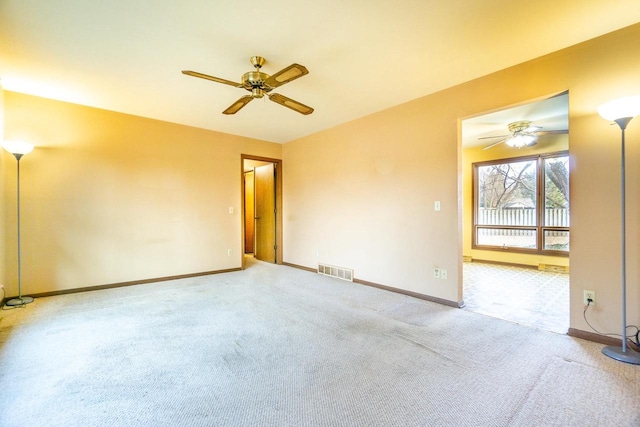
(230, 209)
(436, 205)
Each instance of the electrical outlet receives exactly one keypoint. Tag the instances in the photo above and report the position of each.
(443, 274)
(436, 273)
(589, 295)
(229, 252)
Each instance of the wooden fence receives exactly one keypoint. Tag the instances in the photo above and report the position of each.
(557, 217)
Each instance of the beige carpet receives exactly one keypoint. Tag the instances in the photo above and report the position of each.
(276, 346)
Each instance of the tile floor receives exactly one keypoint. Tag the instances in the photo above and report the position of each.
(526, 296)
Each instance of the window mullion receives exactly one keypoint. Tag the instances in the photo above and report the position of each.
(541, 202)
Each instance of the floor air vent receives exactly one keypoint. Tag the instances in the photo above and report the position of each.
(553, 268)
(337, 272)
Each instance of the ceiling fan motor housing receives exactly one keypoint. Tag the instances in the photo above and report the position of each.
(255, 79)
(517, 127)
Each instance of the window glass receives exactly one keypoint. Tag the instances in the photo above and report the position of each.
(507, 194)
(556, 240)
(556, 191)
(507, 238)
(523, 204)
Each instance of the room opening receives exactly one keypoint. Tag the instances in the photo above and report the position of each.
(516, 213)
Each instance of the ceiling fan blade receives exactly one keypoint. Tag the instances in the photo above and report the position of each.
(552, 132)
(285, 75)
(290, 103)
(236, 106)
(207, 77)
(497, 136)
(494, 144)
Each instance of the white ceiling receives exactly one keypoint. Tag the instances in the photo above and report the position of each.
(363, 55)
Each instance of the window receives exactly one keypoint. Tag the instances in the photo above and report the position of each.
(522, 204)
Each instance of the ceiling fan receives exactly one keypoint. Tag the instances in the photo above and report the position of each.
(260, 84)
(522, 134)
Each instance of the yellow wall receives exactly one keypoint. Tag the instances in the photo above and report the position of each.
(110, 198)
(361, 195)
(546, 144)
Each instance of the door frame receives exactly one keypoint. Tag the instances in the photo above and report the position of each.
(278, 185)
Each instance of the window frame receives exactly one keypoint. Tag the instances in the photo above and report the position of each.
(540, 228)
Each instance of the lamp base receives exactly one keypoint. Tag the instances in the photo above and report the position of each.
(15, 302)
(616, 353)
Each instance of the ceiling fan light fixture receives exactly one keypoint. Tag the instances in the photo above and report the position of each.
(256, 92)
(522, 139)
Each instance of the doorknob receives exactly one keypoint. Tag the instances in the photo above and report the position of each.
(257, 217)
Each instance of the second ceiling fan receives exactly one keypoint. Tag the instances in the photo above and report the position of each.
(522, 134)
(261, 84)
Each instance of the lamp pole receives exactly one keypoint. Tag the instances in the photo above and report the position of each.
(622, 111)
(18, 149)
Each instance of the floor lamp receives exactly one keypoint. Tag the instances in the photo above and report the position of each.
(18, 149)
(622, 111)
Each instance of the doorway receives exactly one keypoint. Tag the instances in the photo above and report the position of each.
(516, 266)
(261, 208)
